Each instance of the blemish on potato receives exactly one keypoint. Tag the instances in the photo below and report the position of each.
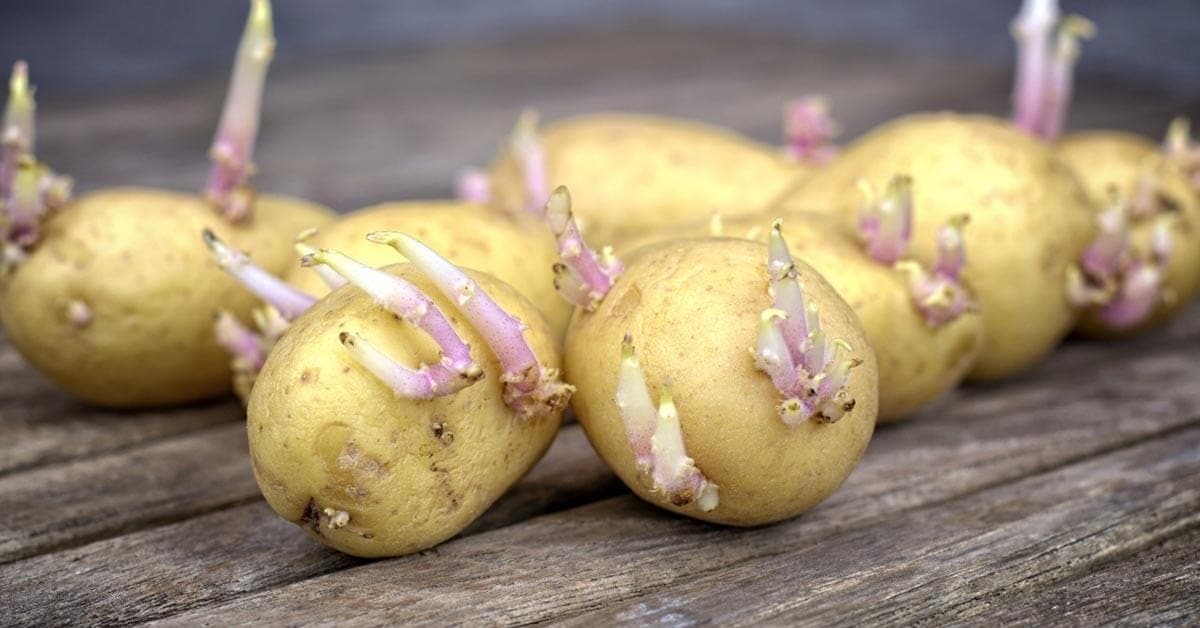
(79, 314)
(441, 431)
(310, 376)
(443, 476)
(354, 460)
(628, 302)
(311, 517)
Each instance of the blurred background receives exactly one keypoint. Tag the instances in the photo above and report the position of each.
(372, 98)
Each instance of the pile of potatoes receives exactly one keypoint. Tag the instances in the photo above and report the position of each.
(728, 321)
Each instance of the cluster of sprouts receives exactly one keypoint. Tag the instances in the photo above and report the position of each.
(809, 369)
(582, 276)
(885, 227)
(29, 190)
(809, 130)
(529, 388)
(1123, 284)
(1047, 50)
(656, 437)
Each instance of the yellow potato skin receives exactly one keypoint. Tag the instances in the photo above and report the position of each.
(629, 172)
(325, 433)
(917, 363)
(518, 250)
(1029, 220)
(134, 257)
(1112, 159)
(693, 308)
(272, 229)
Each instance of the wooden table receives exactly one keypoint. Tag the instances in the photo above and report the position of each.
(1069, 495)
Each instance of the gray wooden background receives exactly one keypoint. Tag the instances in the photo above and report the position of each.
(90, 43)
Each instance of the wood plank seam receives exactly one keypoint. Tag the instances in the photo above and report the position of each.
(1193, 423)
(1137, 527)
(833, 531)
(118, 449)
(146, 524)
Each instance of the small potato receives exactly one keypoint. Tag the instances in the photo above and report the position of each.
(516, 249)
(1156, 190)
(695, 310)
(633, 172)
(1029, 220)
(371, 473)
(121, 323)
(917, 361)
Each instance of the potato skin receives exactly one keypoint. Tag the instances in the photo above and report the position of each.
(270, 232)
(629, 172)
(917, 363)
(134, 257)
(325, 433)
(518, 250)
(1030, 220)
(693, 308)
(1111, 159)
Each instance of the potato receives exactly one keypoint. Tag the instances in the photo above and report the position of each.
(115, 303)
(1135, 168)
(917, 361)
(371, 473)
(1029, 220)
(517, 250)
(633, 172)
(113, 296)
(693, 308)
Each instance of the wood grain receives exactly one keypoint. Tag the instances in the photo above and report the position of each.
(620, 549)
(935, 563)
(1155, 586)
(168, 480)
(41, 425)
(221, 555)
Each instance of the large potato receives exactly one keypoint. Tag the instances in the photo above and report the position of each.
(518, 250)
(632, 172)
(336, 452)
(1029, 220)
(917, 362)
(1107, 161)
(115, 303)
(693, 309)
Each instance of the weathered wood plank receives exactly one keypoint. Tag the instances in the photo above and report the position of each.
(929, 563)
(1157, 586)
(41, 425)
(218, 556)
(622, 550)
(586, 558)
(168, 480)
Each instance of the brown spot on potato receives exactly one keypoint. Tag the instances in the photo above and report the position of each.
(444, 481)
(682, 498)
(441, 431)
(310, 376)
(353, 459)
(311, 517)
